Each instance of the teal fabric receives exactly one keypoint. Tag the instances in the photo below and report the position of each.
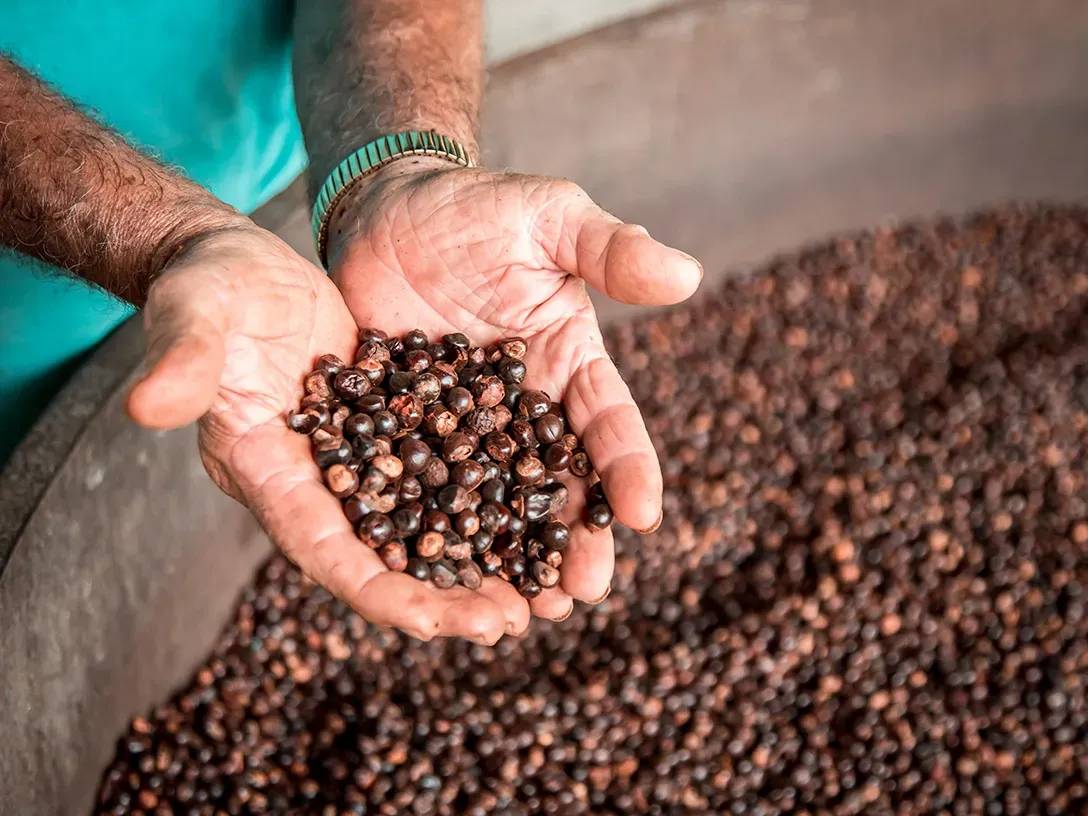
(204, 85)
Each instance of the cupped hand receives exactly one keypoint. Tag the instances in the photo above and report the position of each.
(424, 245)
(234, 323)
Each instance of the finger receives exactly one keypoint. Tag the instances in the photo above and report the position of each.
(552, 603)
(515, 608)
(185, 357)
(588, 564)
(621, 260)
(425, 611)
(602, 412)
(307, 522)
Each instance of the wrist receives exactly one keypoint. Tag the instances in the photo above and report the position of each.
(181, 228)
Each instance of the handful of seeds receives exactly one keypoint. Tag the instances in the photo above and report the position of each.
(445, 464)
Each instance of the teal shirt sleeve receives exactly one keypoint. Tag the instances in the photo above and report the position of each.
(205, 85)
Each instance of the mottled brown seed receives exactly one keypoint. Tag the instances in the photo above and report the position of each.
(435, 475)
(529, 470)
(390, 466)
(545, 575)
(488, 391)
(408, 410)
(430, 545)
(394, 555)
(440, 422)
(341, 481)
(457, 447)
(514, 347)
(580, 464)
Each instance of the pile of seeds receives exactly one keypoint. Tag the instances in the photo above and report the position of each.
(868, 594)
(474, 485)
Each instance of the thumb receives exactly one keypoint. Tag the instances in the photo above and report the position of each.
(620, 260)
(184, 361)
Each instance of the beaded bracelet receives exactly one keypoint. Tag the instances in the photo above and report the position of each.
(369, 158)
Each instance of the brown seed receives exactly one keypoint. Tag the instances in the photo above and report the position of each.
(305, 422)
(457, 447)
(373, 370)
(528, 588)
(327, 433)
(373, 480)
(390, 466)
(515, 347)
(548, 429)
(580, 464)
(330, 364)
(545, 575)
(430, 545)
(556, 458)
(480, 421)
(341, 481)
(490, 563)
(414, 455)
(439, 422)
(376, 529)
(502, 417)
(436, 520)
(466, 524)
(529, 470)
(457, 549)
(410, 489)
(417, 360)
(553, 558)
(373, 349)
(427, 388)
(459, 400)
(394, 555)
(521, 430)
(468, 474)
(452, 499)
(435, 475)
(317, 383)
(499, 446)
(488, 391)
(351, 384)
(469, 575)
(533, 404)
(408, 410)
(339, 416)
(443, 574)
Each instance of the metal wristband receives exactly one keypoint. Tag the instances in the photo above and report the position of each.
(369, 158)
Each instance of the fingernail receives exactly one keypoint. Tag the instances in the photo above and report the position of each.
(654, 527)
(570, 612)
(693, 259)
(602, 599)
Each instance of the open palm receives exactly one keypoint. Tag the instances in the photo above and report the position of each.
(494, 255)
(234, 324)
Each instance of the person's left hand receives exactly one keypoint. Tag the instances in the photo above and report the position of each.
(425, 245)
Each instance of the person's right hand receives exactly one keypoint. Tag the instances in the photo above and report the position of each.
(234, 323)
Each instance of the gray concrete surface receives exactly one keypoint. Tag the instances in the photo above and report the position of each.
(734, 128)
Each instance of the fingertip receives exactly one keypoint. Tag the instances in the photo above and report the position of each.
(515, 608)
(588, 564)
(642, 270)
(633, 486)
(553, 604)
(473, 616)
(179, 387)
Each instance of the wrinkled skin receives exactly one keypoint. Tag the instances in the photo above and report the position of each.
(236, 321)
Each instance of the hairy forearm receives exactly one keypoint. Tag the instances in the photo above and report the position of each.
(75, 195)
(364, 68)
